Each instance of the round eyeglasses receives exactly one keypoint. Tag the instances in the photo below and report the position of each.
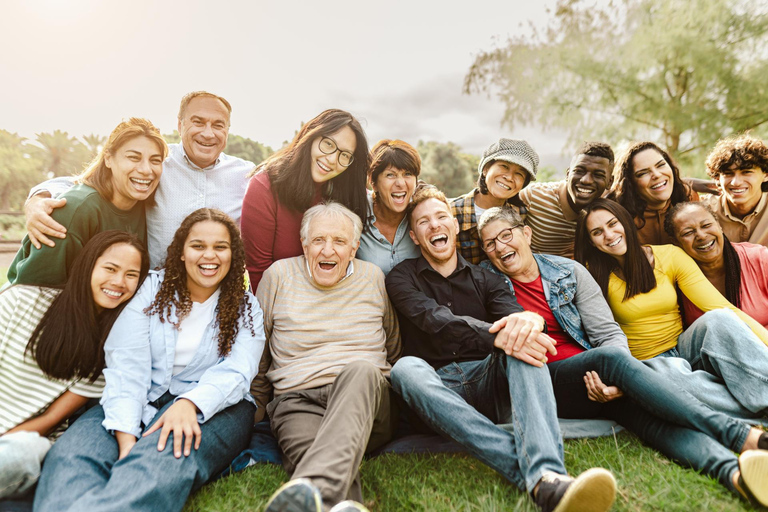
(505, 237)
(328, 147)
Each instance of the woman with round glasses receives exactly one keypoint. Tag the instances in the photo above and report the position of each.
(327, 160)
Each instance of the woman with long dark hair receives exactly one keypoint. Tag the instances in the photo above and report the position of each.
(738, 270)
(109, 194)
(646, 181)
(51, 350)
(177, 406)
(327, 159)
(640, 282)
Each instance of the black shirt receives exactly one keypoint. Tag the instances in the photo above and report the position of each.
(446, 319)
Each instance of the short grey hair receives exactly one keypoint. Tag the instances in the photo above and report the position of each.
(504, 213)
(334, 210)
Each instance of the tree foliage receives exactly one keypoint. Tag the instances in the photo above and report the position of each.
(682, 73)
(247, 149)
(443, 165)
(18, 171)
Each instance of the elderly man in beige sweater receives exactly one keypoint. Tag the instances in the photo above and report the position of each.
(333, 338)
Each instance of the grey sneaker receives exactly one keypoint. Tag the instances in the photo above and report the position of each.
(753, 466)
(297, 495)
(592, 491)
(349, 506)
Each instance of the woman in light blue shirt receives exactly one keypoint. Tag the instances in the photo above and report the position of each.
(180, 360)
(393, 177)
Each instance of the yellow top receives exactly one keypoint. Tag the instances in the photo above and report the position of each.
(652, 320)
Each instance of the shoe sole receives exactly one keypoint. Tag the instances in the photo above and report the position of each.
(593, 491)
(295, 496)
(754, 472)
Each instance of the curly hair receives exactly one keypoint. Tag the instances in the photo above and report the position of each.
(599, 149)
(233, 301)
(625, 190)
(741, 152)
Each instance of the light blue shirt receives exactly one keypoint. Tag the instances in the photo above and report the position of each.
(375, 248)
(183, 188)
(140, 352)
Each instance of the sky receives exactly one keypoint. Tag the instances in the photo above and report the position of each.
(398, 66)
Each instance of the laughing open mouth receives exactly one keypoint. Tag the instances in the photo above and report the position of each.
(439, 240)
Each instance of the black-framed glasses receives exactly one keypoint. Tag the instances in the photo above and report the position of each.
(505, 237)
(328, 147)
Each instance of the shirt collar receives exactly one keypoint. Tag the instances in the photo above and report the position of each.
(422, 264)
(195, 166)
(727, 211)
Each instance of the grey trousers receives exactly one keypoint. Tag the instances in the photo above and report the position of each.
(324, 432)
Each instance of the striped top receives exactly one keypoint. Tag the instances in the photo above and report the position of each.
(24, 391)
(314, 332)
(551, 218)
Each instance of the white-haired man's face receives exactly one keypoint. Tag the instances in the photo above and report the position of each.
(329, 248)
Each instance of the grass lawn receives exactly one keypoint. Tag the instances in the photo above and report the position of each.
(393, 483)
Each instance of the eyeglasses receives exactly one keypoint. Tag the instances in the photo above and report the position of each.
(328, 147)
(505, 237)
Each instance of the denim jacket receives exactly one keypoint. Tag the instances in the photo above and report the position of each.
(576, 301)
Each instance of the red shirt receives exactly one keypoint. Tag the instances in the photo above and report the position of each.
(531, 297)
(270, 230)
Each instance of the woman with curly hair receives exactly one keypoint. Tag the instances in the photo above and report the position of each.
(739, 165)
(50, 365)
(646, 181)
(180, 360)
(109, 194)
(327, 159)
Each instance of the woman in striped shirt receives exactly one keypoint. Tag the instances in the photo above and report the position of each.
(51, 350)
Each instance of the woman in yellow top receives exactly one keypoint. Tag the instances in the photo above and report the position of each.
(639, 283)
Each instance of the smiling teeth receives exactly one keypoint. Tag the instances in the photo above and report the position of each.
(659, 185)
(112, 293)
(398, 195)
(508, 255)
(615, 243)
(705, 246)
(209, 266)
(323, 167)
(738, 190)
(503, 185)
(141, 182)
(438, 237)
(584, 191)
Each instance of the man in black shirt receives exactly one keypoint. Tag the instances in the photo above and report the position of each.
(474, 358)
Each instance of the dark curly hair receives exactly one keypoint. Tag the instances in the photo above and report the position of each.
(742, 152)
(624, 189)
(233, 301)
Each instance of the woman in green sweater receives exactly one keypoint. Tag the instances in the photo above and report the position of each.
(110, 194)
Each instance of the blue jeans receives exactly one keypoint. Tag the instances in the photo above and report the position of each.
(81, 472)
(464, 401)
(666, 417)
(727, 365)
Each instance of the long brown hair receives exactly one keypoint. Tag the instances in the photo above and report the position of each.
(68, 342)
(233, 300)
(625, 190)
(638, 272)
(290, 169)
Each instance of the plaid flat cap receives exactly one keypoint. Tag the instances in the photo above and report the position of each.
(514, 151)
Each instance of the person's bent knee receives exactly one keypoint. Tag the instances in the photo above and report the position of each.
(361, 370)
(409, 371)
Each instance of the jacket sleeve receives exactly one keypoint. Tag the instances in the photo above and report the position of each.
(596, 315)
(128, 355)
(258, 225)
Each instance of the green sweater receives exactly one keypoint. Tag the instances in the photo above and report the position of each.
(85, 214)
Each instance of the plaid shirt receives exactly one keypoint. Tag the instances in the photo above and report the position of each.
(468, 239)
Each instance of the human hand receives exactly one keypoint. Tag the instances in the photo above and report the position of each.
(599, 392)
(519, 335)
(181, 419)
(38, 209)
(125, 442)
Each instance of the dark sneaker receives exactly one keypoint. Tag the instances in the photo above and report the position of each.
(349, 506)
(298, 495)
(753, 481)
(592, 491)
(762, 443)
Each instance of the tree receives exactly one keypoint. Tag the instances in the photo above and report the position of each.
(94, 143)
(18, 171)
(61, 155)
(444, 166)
(682, 73)
(247, 149)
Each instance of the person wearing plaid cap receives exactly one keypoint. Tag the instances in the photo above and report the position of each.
(507, 166)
